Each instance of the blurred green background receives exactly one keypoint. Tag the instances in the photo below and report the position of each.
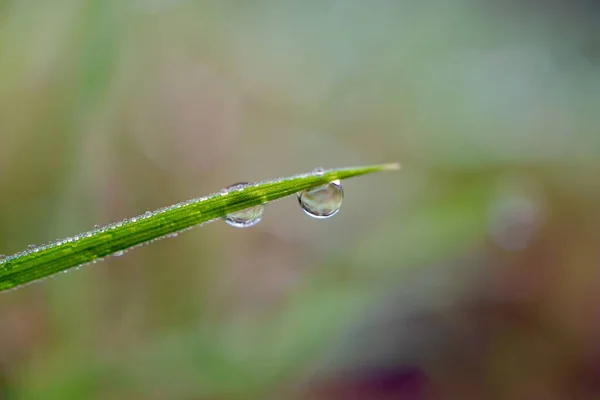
(471, 274)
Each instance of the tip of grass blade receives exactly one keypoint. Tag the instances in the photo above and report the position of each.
(391, 166)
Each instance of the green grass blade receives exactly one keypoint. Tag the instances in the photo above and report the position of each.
(42, 261)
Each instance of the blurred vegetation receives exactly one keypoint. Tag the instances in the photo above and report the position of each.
(470, 275)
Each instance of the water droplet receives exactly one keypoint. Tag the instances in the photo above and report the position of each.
(323, 201)
(235, 187)
(244, 218)
(318, 171)
(119, 253)
(31, 246)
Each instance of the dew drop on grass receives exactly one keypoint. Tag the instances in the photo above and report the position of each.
(244, 218)
(323, 201)
(118, 253)
(318, 171)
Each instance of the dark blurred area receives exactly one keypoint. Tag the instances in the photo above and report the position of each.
(473, 273)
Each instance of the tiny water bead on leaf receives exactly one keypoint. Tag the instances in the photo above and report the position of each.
(244, 218)
(323, 201)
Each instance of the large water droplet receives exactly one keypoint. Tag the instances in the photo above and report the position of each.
(244, 218)
(323, 201)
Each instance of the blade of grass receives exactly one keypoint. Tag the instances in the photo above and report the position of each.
(39, 262)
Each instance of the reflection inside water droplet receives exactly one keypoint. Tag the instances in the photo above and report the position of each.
(244, 218)
(323, 201)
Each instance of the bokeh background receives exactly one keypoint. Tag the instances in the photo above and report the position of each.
(471, 274)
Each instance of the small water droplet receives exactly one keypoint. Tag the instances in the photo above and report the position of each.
(244, 218)
(318, 171)
(31, 246)
(323, 201)
(119, 253)
(235, 187)
(224, 192)
(96, 226)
